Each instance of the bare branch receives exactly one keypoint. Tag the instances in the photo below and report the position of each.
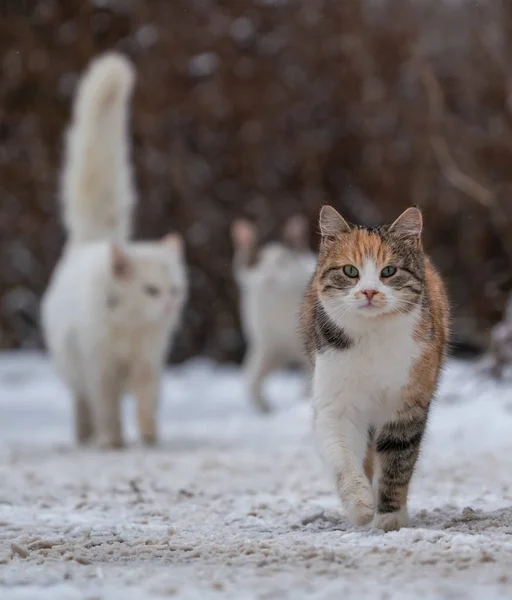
(447, 164)
(456, 177)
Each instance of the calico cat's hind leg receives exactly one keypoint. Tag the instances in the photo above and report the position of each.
(369, 463)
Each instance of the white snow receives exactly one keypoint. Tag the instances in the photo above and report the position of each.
(235, 505)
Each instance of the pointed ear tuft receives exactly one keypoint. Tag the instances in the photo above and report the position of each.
(296, 232)
(409, 224)
(173, 241)
(243, 234)
(121, 263)
(332, 223)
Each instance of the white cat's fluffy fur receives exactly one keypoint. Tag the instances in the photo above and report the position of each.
(271, 294)
(112, 305)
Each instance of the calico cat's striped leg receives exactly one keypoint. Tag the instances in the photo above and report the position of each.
(397, 447)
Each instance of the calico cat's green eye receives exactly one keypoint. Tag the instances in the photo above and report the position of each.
(388, 271)
(350, 271)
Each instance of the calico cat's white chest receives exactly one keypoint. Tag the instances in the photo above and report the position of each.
(368, 376)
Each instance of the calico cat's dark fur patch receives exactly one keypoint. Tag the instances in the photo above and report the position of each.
(328, 334)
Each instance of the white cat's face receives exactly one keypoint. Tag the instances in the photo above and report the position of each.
(277, 266)
(148, 282)
(284, 264)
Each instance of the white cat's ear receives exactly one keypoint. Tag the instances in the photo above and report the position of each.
(243, 234)
(332, 223)
(409, 224)
(174, 241)
(296, 232)
(120, 260)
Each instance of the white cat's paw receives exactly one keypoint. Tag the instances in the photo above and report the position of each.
(391, 521)
(149, 438)
(360, 507)
(110, 443)
(261, 404)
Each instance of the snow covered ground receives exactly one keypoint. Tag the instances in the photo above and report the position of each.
(233, 505)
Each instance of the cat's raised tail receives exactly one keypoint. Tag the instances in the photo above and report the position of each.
(97, 188)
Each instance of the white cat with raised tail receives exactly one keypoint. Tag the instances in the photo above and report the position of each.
(112, 305)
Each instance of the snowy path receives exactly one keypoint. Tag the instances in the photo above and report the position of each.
(233, 505)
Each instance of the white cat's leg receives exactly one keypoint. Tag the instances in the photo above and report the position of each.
(106, 390)
(257, 365)
(83, 419)
(343, 437)
(307, 385)
(145, 386)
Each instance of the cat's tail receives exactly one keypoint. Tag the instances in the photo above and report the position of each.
(98, 194)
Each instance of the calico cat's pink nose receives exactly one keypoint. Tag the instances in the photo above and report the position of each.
(369, 294)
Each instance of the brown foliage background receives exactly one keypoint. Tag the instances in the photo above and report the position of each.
(264, 108)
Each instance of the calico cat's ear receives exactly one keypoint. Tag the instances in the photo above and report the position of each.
(243, 234)
(409, 224)
(173, 241)
(332, 223)
(296, 232)
(120, 260)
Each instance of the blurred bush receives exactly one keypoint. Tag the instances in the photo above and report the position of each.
(265, 108)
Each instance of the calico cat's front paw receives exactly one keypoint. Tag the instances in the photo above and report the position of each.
(360, 508)
(391, 521)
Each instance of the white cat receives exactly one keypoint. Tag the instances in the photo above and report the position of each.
(272, 278)
(112, 305)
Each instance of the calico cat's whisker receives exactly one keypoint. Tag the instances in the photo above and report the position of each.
(413, 304)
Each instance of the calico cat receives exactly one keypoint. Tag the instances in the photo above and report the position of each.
(376, 323)
(112, 305)
(272, 277)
